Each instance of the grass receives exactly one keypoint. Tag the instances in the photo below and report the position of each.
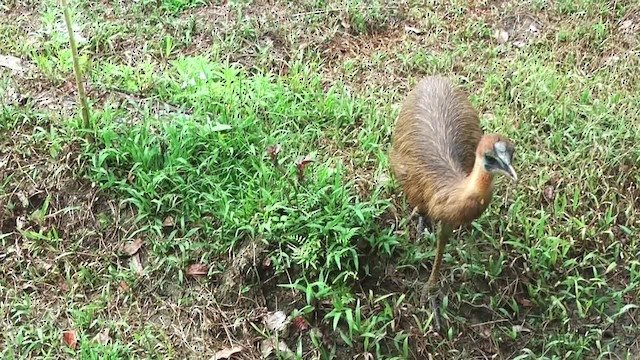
(243, 145)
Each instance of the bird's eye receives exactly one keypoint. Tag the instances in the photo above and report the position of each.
(491, 160)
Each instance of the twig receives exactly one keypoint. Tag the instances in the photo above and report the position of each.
(489, 322)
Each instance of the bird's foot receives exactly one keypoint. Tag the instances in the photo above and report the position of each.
(432, 295)
(435, 307)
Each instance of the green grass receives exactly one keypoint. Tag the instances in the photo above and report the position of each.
(189, 102)
(213, 163)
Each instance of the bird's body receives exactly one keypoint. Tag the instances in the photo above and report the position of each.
(434, 152)
(443, 161)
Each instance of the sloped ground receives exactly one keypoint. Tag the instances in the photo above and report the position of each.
(172, 235)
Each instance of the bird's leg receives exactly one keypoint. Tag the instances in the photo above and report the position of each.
(421, 225)
(433, 287)
(422, 221)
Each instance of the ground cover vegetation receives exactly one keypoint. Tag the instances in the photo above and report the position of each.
(233, 198)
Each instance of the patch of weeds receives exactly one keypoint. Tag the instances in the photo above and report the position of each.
(176, 6)
(11, 35)
(213, 164)
(50, 49)
(106, 38)
(137, 79)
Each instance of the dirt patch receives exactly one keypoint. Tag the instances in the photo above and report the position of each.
(249, 255)
(345, 45)
(519, 29)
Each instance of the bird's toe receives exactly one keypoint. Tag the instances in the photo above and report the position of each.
(431, 296)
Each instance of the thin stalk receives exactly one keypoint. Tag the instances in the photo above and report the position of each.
(76, 66)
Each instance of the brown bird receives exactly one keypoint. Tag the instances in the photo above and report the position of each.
(444, 163)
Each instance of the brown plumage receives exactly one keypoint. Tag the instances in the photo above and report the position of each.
(443, 161)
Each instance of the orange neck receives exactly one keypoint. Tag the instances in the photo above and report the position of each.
(479, 180)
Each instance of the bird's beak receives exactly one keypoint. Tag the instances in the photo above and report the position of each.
(507, 168)
(511, 172)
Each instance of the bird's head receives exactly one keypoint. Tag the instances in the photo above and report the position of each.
(496, 153)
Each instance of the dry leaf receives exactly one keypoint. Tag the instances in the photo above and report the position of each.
(304, 161)
(273, 151)
(276, 321)
(24, 200)
(227, 353)
(268, 346)
(168, 221)
(266, 262)
(411, 29)
(485, 331)
(136, 263)
(43, 265)
(520, 328)
(20, 222)
(132, 247)
(381, 179)
(548, 193)
(70, 338)
(197, 270)
(28, 287)
(525, 302)
(302, 164)
(501, 35)
(300, 323)
(102, 337)
(123, 286)
(12, 63)
(626, 25)
(345, 23)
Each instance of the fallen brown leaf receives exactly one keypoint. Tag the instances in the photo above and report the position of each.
(525, 302)
(276, 321)
(123, 286)
(168, 221)
(520, 328)
(227, 353)
(345, 23)
(274, 151)
(102, 337)
(268, 346)
(70, 338)
(300, 323)
(12, 63)
(197, 270)
(136, 262)
(548, 193)
(302, 164)
(28, 287)
(132, 247)
(411, 29)
(626, 25)
(501, 35)
(266, 262)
